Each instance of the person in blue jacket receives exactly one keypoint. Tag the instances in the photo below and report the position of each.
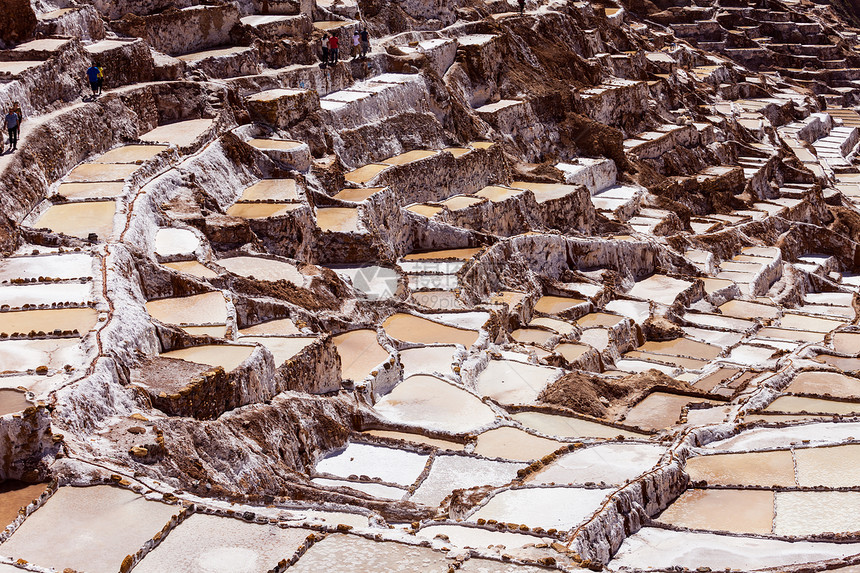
(93, 75)
(13, 124)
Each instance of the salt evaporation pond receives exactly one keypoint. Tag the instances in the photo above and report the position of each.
(171, 242)
(430, 402)
(262, 210)
(659, 288)
(80, 319)
(17, 296)
(271, 190)
(744, 310)
(64, 266)
(816, 512)
(109, 522)
(280, 326)
(417, 439)
(450, 472)
(192, 268)
(263, 269)
(373, 281)
(12, 401)
(227, 356)
(390, 465)
(206, 308)
(548, 507)
(556, 304)
(659, 410)
(512, 382)
(427, 360)
(772, 438)
(13, 496)
(553, 324)
(338, 219)
(569, 427)
(837, 466)
(79, 219)
(612, 464)
(654, 548)
(532, 336)
(350, 554)
(180, 133)
(375, 489)
(411, 328)
(209, 544)
(732, 510)
(282, 348)
(360, 353)
(23, 355)
(514, 444)
(794, 404)
(744, 469)
(478, 538)
(131, 154)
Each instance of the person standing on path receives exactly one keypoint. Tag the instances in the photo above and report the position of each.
(332, 49)
(324, 51)
(101, 81)
(13, 125)
(93, 77)
(522, 6)
(365, 43)
(356, 42)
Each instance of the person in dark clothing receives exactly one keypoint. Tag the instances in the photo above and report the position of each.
(365, 43)
(13, 125)
(522, 6)
(324, 50)
(332, 49)
(101, 81)
(93, 77)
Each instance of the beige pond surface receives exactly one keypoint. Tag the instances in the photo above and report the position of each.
(358, 195)
(610, 463)
(21, 355)
(417, 438)
(554, 507)
(228, 356)
(281, 326)
(599, 319)
(282, 347)
(15, 68)
(832, 383)
(192, 268)
(409, 157)
(206, 308)
(263, 269)
(360, 353)
(514, 444)
(12, 401)
(659, 288)
(688, 363)
(837, 466)
(559, 326)
(797, 404)
(427, 360)
(428, 211)
(803, 322)
(461, 202)
(14, 495)
(683, 347)
(847, 343)
(569, 427)
(745, 310)
(478, 538)
(532, 335)
(106, 190)
(556, 304)
(181, 134)
(430, 402)
(99, 172)
(757, 468)
(571, 352)
(271, 189)
(364, 174)
(215, 331)
(80, 319)
(816, 512)
(131, 154)
(338, 219)
(109, 522)
(659, 410)
(732, 510)
(262, 210)
(458, 254)
(80, 219)
(498, 194)
(340, 553)
(411, 328)
(512, 382)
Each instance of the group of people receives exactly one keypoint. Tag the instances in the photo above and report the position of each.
(331, 47)
(12, 121)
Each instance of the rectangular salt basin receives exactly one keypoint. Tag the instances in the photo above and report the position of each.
(264, 269)
(388, 464)
(340, 553)
(744, 469)
(513, 382)
(100, 172)
(812, 382)
(450, 472)
(375, 489)
(480, 538)
(719, 321)
(23, 355)
(79, 219)
(358, 195)
(65, 266)
(192, 268)
(457, 254)
(760, 438)
(206, 308)
(799, 321)
(659, 410)
(417, 439)
(837, 466)
(131, 154)
(17, 296)
(549, 304)
(659, 288)
(411, 328)
(816, 512)
(660, 549)
(409, 157)
(271, 189)
(109, 522)
(735, 511)
(13, 496)
(569, 427)
(80, 319)
(227, 356)
(107, 190)
(181, 134)
(360, 353)
(283, 348)
(514, 444)
(611, 464)
(683, 347)
(846, 342)
(745, 310)
(364, 174)
(262, 210)
(222, 545)
(338, 219)
(796, 404)
(548, 507)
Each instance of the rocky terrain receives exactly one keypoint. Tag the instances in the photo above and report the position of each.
(573, 288)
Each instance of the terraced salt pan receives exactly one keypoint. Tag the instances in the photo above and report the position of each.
(427, 360)
(428, 211)
(197, 56)
(277, 327)
(475, 565)
(744, 309)
(659, 410)
(514, 444)
(365, 173)
(513, 382)
(797, 404)
(638, 366)
(349, 554)
(461, 202)
(841, 312)
(375, 489)
(23, 355)
(608, 463)
(373, 281)
(532, 336)
(837, 466)
(846, 342)
(17, 296)
(338, 219)
(13, 496)
(835, 298)
(390, 465)
(106, 190)
(749, 355)
(16, 68)
(357, 195)
(719, 321)
(654, 548)
(100, 172)
(634, 309)
(79, 219)
(262, 210)
(818, 382)
(417, 439)
(816, 512)
(758, 468)
(228, 356)
(80, 319)
(457, 254)
(761, 438)
(131, 154)
(206, 308)
(210, 544)
(12, 401)
(596, 337)
(478, 538)
(571, 352)
(659, 288)
(554, 324)
(181, 134)
(599, 319)
(282, 348)
(65, 266)
(732, 510)
(411, 328)
(264, 269)
(360, 353)
(215, 331)
(450, 472)
(556, 304)
(569, 427)
(802, 322)
(548, 507)
(800, 336)
(170, 242)
(430, 402)
(110, 522)
(716, 337)
(683, 347)
(409, 157)
(192, 268)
